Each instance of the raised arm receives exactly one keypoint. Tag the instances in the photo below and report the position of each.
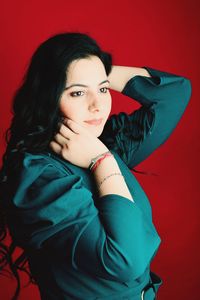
(163, 97)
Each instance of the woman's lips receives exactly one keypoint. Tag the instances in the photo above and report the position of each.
(94, 122)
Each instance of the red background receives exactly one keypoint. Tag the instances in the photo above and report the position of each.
(159, 34)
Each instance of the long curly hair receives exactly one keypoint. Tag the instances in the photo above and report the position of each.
(36, 118)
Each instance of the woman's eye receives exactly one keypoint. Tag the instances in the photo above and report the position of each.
(104, 90)
(76, 94)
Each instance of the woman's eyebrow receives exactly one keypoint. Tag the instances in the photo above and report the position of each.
(83, 85)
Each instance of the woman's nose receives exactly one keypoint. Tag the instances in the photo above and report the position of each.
(95, 103)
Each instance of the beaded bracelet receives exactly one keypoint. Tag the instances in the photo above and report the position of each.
(108, 177)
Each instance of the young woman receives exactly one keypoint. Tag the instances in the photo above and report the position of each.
(68, 196)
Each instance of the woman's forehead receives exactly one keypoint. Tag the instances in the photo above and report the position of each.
(84, 69)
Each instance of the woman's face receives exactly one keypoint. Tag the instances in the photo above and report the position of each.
(87, 95)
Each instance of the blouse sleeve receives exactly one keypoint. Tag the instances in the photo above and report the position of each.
(111, 239)
(163, 98)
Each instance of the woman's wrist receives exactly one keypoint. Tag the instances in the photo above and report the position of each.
(120, 75)
(109, 179)
(97, 160)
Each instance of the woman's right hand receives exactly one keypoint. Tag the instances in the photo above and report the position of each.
(76, 144)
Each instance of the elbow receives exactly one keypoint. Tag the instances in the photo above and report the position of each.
(186, 89)
(128, 265)
(122, 267)
(131, 271)
(124, 271)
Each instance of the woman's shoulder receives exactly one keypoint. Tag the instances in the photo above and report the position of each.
(36, 169)
(39, 161)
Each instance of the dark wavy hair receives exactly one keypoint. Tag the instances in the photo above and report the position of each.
(36, 118)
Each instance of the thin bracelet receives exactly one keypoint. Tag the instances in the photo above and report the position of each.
(108, 177)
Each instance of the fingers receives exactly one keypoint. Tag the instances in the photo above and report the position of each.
(75, 127)
(66, 132)
(60, 139)
(55, 147)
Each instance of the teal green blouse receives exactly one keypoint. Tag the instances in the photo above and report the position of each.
(82, 246)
